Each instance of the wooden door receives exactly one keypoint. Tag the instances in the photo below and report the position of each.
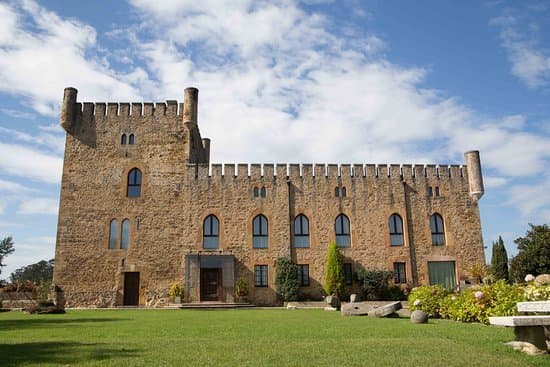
(131, 289)
(211, 284)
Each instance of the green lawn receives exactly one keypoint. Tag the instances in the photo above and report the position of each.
(263, 337)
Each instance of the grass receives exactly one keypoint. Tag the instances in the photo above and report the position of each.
(264, 337)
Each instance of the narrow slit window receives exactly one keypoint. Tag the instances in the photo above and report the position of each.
(344, 192)
(336, 191)
(256, 192)
(437, 191)
(131, 139)
(396, 230)
(263, 192)
(113, 234)
(123, 139)
(125, 240)
(438, 231)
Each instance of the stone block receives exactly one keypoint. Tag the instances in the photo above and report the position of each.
(354, 298)
(386, 310)
(355, 309)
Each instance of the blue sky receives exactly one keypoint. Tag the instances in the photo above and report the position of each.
(306, 81)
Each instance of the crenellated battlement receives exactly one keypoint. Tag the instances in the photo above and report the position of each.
(72, 111)
(356, 171)
(101, 109)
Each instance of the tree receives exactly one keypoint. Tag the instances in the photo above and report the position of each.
(6, 248)
(499, 261)
(39, 272)
(534, 253)
(286, 279)
(334, 276)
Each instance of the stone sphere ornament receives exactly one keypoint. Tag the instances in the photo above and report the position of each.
(419, 317)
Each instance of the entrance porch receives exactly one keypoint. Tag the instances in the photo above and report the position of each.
(210, 277)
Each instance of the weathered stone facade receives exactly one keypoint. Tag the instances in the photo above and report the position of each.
(179, 189)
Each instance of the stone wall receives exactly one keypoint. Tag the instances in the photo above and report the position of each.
(179, 190)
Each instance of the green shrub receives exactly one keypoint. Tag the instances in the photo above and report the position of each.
(375, 283)
(241, 288)
(286, 279)
(176, 291)
(396, 293)
(428, 299)
(334, 276)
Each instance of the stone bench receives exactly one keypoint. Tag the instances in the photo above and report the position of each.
(528, 328)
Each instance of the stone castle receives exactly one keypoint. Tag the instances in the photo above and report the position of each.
(142, 208)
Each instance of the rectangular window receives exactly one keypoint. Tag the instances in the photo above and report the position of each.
(260, 275)
(303, 275)
(399, 275)
(442, 273)
(348, 274)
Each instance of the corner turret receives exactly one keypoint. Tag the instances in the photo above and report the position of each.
(475, 178)
(190, 105)
(68, 108)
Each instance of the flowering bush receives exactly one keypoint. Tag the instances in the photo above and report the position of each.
(428, 299)
(474, 304)
(532, 292)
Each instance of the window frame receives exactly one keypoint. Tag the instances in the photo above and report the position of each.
(438, 234)
(258, 238)
(125, 234)
(261, 276)
(348, 273)
(113, 234)
(135, 180)
(301, 239)
(340, 233)
(208, 234)
(303, 275)
(396, 231)
(398, 276)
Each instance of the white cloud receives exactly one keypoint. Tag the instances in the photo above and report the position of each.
(18, 114)
(39, 206)
(41, 53)
(532, 200)
(54, 142)
(530, 62)
(492, 181)
(30, 163)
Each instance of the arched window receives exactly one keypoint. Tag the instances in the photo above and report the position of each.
(134, 183)
(342, 231)
(125, 241)
(256, 192)
(263, 192)
(438, 231)
(259, 232)
(437, 191)
(336, 191)
(113, 234)
(131, 139)
(344, 192)
(123, 139)
(301, 231)
(211, 233)
(396, 230)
